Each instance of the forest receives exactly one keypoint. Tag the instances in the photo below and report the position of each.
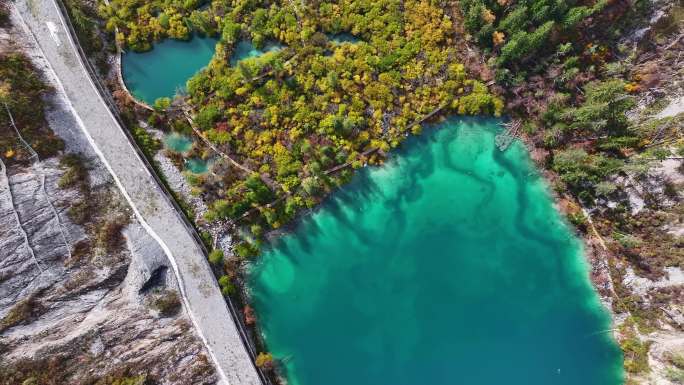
(299, 119)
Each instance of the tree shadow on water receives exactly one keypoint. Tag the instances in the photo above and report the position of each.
(520, 177)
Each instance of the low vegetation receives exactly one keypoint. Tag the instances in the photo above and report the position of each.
(4, 15)
(148, 144)
(634, 350)
(675, 372)
(21, 93)
(75, 173)
(264, 360)
(166, 302)
(58, 370)
(23, 311)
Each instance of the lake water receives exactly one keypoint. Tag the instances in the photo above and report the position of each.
(245, 50)
(449, 265)
(166, 68)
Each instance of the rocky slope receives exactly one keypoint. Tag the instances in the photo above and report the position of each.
(85, 293)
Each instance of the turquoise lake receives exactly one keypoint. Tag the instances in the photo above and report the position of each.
(448, 265)
(166, 68)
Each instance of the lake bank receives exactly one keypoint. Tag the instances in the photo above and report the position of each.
(149, 75)
(296, 266)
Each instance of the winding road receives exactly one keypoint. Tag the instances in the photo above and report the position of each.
(203, 301)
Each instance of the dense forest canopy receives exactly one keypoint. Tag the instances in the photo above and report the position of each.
(521, 28)
(297, 115)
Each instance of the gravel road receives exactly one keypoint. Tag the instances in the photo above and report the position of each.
(203, 301)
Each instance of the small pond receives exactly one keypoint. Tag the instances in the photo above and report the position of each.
(197, 166)
(245, 50)
(165, 69)
(177, 142)
(343, 37)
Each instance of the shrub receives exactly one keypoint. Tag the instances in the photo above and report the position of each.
(207, 116)
(245, 250)
(264, 360)
(634, 350)
(22, 312)
(676, 359)
(76, 174)
(227, 287)
(80, 212)
(167, 303)
(162, 104)
(216, 257)
(228, 290)
(109, 236)
(675, 375)
(147, 143)
(4, 16)
(224, 280)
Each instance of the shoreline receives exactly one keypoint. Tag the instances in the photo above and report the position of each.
(596, 254)
(597, 265)
(596, 261)
(118, 70)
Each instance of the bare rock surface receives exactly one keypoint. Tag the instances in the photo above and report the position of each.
(99, 310)
(88, 301)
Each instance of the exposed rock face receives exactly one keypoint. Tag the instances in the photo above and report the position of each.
(95, 311)
(34, 243)
(87, 302)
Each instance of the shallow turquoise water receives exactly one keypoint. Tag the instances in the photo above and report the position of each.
(449, 265)
(245, 50)
(166, 68)
(197, 166)
(177, 142)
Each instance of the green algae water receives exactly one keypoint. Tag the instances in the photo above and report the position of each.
(448, 265)
(166, 68)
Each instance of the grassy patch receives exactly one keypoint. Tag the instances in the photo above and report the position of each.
(634, 350)
(166, 302)
(61, 369)
(23, 312)
(147, 143)
(108, 236)
(22, 89)
(76, 172)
